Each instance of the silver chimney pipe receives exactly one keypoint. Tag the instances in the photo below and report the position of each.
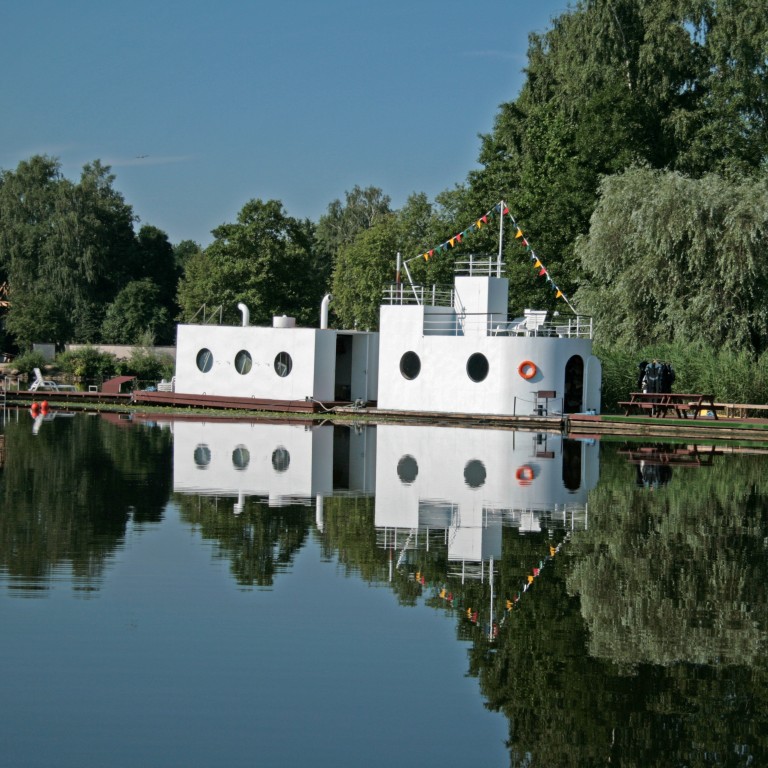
(246, 314)
(324, 310)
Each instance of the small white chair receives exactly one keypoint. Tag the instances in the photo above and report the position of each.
(42, 384)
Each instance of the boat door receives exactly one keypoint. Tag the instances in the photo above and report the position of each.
(573, 400)
(342, 388)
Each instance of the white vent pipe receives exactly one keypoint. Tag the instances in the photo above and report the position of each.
(246, 314)
(324, 310)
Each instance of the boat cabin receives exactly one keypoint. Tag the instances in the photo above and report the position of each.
(456, 351)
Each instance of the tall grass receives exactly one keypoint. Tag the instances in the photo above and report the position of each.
(733, 377)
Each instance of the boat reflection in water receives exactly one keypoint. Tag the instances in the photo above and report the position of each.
(466, 484)
(280, 464)
(458, 486)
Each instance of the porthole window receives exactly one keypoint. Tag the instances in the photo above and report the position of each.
(202, 456)
(241, 456)
(281, 459)
(477, 367)
(407, 469)
(243, 362)
(410, 365)
(474, 473)
(205, 360)
(283, 364)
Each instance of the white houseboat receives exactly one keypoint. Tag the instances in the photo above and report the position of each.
(452, 351)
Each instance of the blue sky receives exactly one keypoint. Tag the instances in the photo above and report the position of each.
(202, 106)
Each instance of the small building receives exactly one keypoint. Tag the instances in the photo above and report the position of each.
(282, 362)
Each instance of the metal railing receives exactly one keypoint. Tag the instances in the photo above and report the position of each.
(479, 266)
(564, 327)
(428, 296)
(458, 323)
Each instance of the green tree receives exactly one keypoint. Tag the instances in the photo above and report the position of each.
(342, 222)
(157, 262)
(265, 260)
(64, 248)
(183, 252)
(673, 258)
(137, 310)
(677, 84)
(362, 269)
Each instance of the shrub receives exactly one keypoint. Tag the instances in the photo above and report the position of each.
(88, 363)
(147, 366)
(732, 376)
(28, 361)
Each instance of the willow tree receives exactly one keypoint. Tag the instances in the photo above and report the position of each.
(674, 84)
(670, 258)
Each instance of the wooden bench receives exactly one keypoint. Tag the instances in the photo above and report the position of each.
(660, 403)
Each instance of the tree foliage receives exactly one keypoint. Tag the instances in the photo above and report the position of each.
(673, 258)
(136, 311)
(265, 259)
(67, 250)
(362, 209)
(678, 84)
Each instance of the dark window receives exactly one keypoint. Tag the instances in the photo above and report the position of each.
(241, 456)
(283, 364)
(474, 473)
(477, 367)
(202, 456)
(410, 365)
(205, 360)
(281, 459)
(243, 362)
(407, 469)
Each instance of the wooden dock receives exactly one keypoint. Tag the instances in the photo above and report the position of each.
(725, 429)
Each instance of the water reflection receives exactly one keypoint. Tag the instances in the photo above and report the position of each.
(609, 620)
(467, 483)
(69, 488)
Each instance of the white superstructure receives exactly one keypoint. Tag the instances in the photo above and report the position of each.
(456, 351)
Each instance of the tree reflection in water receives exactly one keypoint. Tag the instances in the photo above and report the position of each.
(642, 642)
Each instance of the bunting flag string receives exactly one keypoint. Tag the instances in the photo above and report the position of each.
(535, 260)
(500, 209)
(472, 614)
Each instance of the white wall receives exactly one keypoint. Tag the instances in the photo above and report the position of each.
(309, 470)
(443, 383)
(263, 344)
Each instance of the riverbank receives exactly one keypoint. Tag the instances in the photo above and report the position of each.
(724, 429)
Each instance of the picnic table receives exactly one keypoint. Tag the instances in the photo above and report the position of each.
(660, 403)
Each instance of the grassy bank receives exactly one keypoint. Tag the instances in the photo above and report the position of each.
(737, 377)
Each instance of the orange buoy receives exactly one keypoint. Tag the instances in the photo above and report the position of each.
(44, 405)
(527, 369)
(524, 475)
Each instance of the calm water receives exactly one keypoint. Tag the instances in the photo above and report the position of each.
(220, 593)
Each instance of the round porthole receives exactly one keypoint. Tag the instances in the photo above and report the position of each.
(243, 362)
(474, 473)
(410, 365)
(283, 364)
(204, 360)
(281, 459)
(202, 456)
(407, 469)
(241, 456)
(477, 367)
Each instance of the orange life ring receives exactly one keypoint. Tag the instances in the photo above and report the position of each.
(524, 475)
(527, 369)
